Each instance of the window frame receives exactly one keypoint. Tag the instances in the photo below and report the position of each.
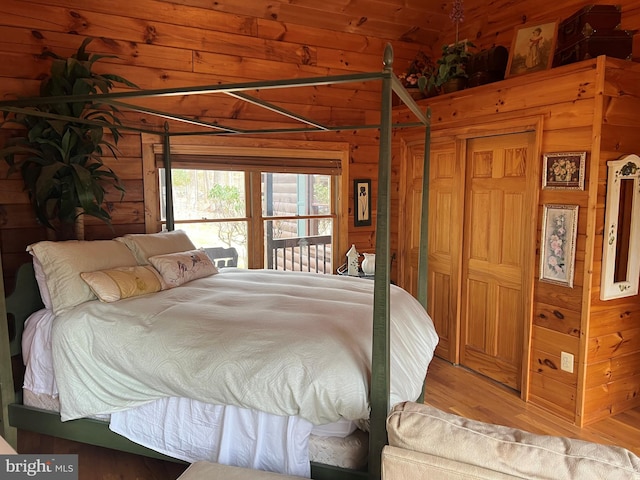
(219, 153)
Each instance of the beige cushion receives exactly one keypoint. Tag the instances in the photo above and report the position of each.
(509, 451)
(124, 282)
(211, 471)
(182, 267)
(63, 262)
(398, 463)
(145, 245)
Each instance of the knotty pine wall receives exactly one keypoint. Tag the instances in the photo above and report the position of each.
(191, 42)
(173, 43)
(162, 44)
(591, 106)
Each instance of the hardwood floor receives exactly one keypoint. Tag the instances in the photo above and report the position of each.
(96, 463)
(458, 390)
(448, 387)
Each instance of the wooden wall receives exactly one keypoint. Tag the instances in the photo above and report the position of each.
(580, 107)
(489, 23)
(163, 44)
(169, 43)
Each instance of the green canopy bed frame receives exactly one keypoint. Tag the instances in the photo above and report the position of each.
(25, 299)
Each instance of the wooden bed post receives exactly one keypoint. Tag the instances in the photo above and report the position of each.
(380, 378)
(7, 392)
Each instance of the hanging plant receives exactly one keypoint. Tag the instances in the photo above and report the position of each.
(59, 151)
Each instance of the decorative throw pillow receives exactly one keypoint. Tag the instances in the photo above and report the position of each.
(145, 245)
(124, 282)
(63, 262)
(182, 267)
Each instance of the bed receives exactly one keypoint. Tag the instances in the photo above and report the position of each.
(376, 389)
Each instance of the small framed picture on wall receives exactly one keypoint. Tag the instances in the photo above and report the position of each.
(563, 171)
(558, 244)
(362, 202)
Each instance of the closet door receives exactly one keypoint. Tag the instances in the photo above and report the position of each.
(446, 195)
(496, 255)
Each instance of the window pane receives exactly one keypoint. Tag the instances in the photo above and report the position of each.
(288, 194)
(288, 247)
(219, 234)
(206, 194)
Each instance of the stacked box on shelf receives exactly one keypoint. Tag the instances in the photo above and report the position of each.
(592, 31)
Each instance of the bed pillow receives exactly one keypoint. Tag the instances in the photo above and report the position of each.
(41, 280)
(123, 282)
(145, 245)
(63, 262)
(182, 267)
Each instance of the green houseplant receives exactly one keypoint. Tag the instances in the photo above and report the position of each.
(451, 67)
(59, 147)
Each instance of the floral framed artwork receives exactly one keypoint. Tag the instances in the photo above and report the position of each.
(564, 170)
(532, 48)
(558, 244)
(362, 202)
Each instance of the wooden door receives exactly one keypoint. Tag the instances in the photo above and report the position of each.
(411, 201)
(496, 257)
(446, 194)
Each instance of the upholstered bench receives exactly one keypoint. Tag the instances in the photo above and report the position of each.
(426, 443)
(216, 471)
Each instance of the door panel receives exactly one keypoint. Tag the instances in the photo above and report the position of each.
(496, 237)
(445, 237)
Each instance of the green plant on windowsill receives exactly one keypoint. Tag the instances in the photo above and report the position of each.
(59, 151)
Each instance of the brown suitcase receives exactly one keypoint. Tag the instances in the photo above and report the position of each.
(614, 43)
(587, 21)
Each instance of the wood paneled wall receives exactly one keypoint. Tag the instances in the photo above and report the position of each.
(489, 23)
(580, 107)
(169, 43)
(164, 44)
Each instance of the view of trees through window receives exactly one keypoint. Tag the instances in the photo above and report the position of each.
(295, 219)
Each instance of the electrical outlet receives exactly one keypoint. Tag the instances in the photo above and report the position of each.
(566, 362)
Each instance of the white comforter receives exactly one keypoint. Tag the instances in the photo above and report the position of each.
(281, 342)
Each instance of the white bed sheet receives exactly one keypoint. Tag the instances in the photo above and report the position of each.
(281, 342)
(187, 429)
(222, 434)
(205, 442)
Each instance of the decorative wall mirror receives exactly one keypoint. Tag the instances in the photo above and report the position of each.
(621, 252)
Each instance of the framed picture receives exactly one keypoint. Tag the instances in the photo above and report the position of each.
(558, 244)
(362, 202)
(532, 48)
(563, 170)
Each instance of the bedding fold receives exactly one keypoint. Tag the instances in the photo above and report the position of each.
(291, 344)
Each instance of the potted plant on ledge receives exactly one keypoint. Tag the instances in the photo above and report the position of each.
(416, 76)
(451, 68)
(59, 151)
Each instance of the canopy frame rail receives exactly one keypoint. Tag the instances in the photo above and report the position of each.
(380, 374)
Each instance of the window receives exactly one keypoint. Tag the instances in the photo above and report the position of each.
(295, 218)
(211, 206)
(298, 222)
(280, 208)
